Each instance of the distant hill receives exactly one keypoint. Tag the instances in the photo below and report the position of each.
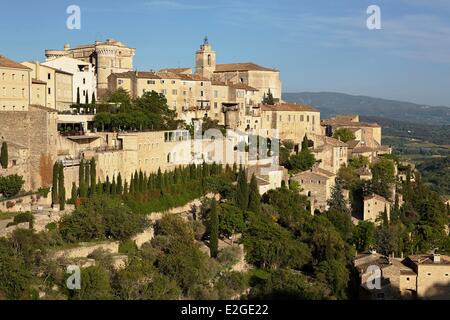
(332, 103)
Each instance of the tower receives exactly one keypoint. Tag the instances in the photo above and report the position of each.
(205, 60)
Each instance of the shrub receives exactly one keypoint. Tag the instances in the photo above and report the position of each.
(11, 185)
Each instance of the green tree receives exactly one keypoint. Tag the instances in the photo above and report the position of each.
(93, 102)
(305, 143)
(364, 235)
(86, 102)
(254, 202)
(81, 181)
(214, 230)
(55, 196)
(4, 155)
(95, 284)
(268, 99)
(337, 201)
(93, 175)
(74, 193)
(242, 194)
(61, 188)
(344, 135)
(119, 184)
(78, 96)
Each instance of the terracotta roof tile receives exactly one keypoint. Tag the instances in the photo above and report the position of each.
(288, 107)
(8, 63)
(246, 66)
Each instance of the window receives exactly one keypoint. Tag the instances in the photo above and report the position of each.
(184, 93)
(164, 91)
(201, 93)
(429, 274)
(13, 76)
(162, 81)
(407, 279)
(302, 118)
(84, 80)
(201, 84)
(49, 76)
(289, 118)
(173, 81)
(216, 93)
(23, 77)
(209, 60)
(4, 91)
(150, 81)
(307, 118)
(215, 105)
(174, 92)
(120, 81)
(3, 76)
(23, 92)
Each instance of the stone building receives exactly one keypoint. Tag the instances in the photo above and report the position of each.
(317, 184)
(84, 81)
(110, 56)
(15, 85)
(251, 74)
(416, 277)
(331, 153)
(374, 207)
(34, 130)
(58, 86)
(293, 121)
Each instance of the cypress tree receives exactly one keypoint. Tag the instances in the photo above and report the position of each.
(337, 201)
(93, 98)
(242, 190)
(61, 188)
(132, 184)
(305, 143)
(136, 182)
(214, 230)
(141, 181)
(81, 179)
(114, 186)
(86, 102)
(4, 155)
(87, 171)
(107, 186)
(78, 96)
(254, 200)
(119, 184)
(74, 193)
(159, 179)
(93, 175)
(55, 197)
(125, 187)
(99, 187)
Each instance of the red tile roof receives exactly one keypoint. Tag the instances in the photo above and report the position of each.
(289, 107)
(8, 63)
(246, 66)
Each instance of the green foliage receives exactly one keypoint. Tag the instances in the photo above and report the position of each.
(11, 185)
(337, 201)
(254, 201)
(269, 245)
(383, 173)
(268, 99)
(344, 135)
(214, 230)
(61, 188)
(150, 111)
(141, 281)
(231, 284)
(304, 160)
(364, 235)
(101, 218)
(4, 155)
(95, 284)
(231, 220)
(16, 279)
(288, 285)
(242, 194)
(436, 174)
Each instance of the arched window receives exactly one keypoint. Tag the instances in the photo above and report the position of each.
(168, 158)
(209, 60)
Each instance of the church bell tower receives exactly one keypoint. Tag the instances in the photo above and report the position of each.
(205, 60)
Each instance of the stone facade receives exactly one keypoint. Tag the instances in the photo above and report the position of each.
(374, 207)
(317, 184)
(110, 56)
(84, 80)
(15, 85)
(58, 86)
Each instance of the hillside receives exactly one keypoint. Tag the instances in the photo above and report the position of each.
(331, 103)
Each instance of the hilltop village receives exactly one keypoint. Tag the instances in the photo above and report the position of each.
(83, 120)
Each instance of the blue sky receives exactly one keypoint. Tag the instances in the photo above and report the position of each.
(318, 45)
